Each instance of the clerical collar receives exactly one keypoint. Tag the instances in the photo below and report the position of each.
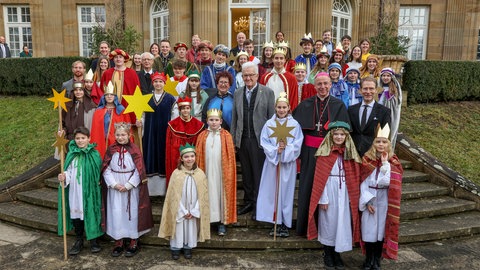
(323, 99)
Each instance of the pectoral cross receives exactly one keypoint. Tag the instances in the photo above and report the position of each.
(318, 125)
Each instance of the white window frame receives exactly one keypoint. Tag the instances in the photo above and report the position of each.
(86, 22)
(162, 17)
(337, 16)
(412, 22)
(18, 28)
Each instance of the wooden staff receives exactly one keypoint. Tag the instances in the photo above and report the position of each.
(277, 190)
(62, 161)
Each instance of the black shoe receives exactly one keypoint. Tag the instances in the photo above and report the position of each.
(175, 254)
(247, 208)
(328, 260)
(187, 253)
(94, 246)
(76, 248)
(132, 248)
(222, 230)
(338, 261)
(118, 249)
(283, 232)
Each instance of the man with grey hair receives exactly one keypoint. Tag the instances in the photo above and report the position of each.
(253, 105)
(144, 75)
(4, 50)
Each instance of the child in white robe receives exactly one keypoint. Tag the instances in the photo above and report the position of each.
(128, 211)
(185, 216)
(281, 157)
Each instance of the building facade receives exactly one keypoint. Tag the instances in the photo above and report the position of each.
(438, 29)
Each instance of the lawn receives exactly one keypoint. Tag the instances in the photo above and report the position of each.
(28, 126)
(447, 130)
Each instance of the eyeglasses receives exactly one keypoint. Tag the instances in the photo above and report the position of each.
(249, 75)
(223, 83)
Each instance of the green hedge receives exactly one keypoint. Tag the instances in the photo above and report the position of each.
(440, 81)
(35, 76)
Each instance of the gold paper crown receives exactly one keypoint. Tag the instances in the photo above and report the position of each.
(122, 126)
(214, 112)
(283, 44)
(186, 149)
(242, 53)
(268, 45)
(300, 66)
(280, 50)
(109, 89)
(89, 75)
(282, 97)
(383, 132)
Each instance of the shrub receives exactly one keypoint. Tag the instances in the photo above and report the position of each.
(35, 76)
(437, 81)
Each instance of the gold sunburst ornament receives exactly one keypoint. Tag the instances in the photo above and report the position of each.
(281, 131)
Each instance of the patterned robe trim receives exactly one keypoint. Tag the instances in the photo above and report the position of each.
(392, 224)
(229, 171)
(322, 172)
(172, 203)
(145, 218)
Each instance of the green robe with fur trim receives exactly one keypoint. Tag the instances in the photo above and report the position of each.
(90, 161)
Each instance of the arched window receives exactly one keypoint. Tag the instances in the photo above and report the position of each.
(341, 19)
(159, 22)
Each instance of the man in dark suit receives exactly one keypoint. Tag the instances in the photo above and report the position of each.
(253, 105)
(144, 75)
(4, 50)
(366, 116)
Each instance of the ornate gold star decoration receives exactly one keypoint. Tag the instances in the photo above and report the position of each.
(59, 98)
(281, 131)
(138, 103)
(170, 87)
(60, 142)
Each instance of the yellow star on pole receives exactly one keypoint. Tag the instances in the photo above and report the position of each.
(59, 98)
(281, 131)
(138, 103)
(60, 142)
(170, 87)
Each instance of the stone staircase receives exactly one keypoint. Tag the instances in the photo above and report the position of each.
(428, 212)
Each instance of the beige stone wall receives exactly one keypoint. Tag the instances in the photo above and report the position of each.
(452, 30)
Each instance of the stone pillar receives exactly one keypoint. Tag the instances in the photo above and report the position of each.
(275, 19)
(368, 20)
(454, 30)
(180, 21)
(294, 23)
(134, 17)
(69, 22)
(319, 17)
(222, 35)
(205, 19)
